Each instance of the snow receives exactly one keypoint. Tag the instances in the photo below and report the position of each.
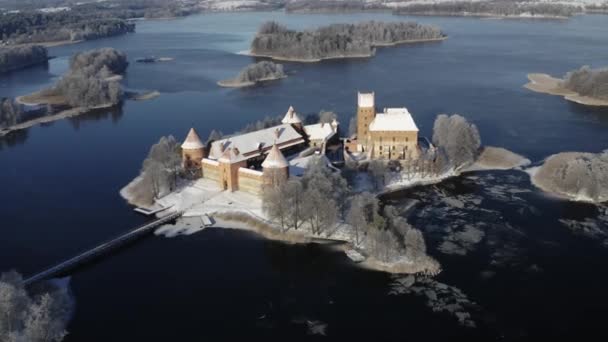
(394, 119)
(245, 146)
(320, 131)
(366, 100)
(291, 117)
(193, 141)
(275, 159)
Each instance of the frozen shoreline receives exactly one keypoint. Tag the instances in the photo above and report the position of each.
(543, 83)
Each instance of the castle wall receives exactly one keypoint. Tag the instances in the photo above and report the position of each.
(211, 170)
(250, 181)
(394, 144)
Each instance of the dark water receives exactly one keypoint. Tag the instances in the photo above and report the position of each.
(60, 183)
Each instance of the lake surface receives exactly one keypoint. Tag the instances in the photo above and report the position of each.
(532, 276)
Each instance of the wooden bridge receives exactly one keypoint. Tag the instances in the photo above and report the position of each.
(100, 249)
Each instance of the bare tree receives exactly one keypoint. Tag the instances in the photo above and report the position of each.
(293, 192)
(28, 317)
(415, 247)
(457, 138)
(275, 205)
(377, 169)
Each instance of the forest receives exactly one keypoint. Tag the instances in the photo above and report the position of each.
(38, 27)
(588, 82)
(19, 57)
(495, 8)
(253, 73)
(336, 40)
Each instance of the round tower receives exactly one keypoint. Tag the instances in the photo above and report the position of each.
(193, 151)
(292, 118)
(275, 167)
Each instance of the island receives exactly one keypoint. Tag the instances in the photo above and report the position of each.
(279, 179)
(337, 40)
(255, 73)
(492, 8)
(20, 57)
(584, 86)
(92, 82)
(574, 175)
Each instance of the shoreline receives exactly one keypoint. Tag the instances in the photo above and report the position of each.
(236, 84)
(546, 84)
(484, 15)
(64, 114)
(315, 60)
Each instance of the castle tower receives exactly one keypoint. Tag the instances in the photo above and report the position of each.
(275, 167)
(291, 117)
(193, 151)
(366, 111)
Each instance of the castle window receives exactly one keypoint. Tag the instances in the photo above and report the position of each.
(406, 139)
(380, 149)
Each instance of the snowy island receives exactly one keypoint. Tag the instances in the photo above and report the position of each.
(584, 86)
(337, 41)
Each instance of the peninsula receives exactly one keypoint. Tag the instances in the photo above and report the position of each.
(255, 73)
(337, 41)
(93, 81)
(584, 86)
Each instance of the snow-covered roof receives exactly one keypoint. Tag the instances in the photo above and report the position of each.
(275, 159)
(245, 146)
(365, 100)
(393, 119)
(320, 131)
(193, 141)
(291, 117)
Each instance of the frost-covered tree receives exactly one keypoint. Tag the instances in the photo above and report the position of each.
(377, 170)
(588, 82)
(326, 116)
(26, 317)
(18, 57)
(415, 247)
(86, 83)
(458, 139)
(575, 175)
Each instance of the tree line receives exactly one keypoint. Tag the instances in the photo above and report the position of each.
(588, 82)
(14, 58)
(321, 201)
(336, 40)
(38, 27)
(496, 7)
(32, 317)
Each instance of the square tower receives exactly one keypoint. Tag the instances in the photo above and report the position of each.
(366, 111)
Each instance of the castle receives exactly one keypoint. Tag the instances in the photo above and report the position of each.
(250, 161)
(392, 134)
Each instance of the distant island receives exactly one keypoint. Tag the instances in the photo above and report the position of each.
(148, 60)
(337, 40)
(254, 73)
(19, 57)
(494, 8)
(585, 86)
